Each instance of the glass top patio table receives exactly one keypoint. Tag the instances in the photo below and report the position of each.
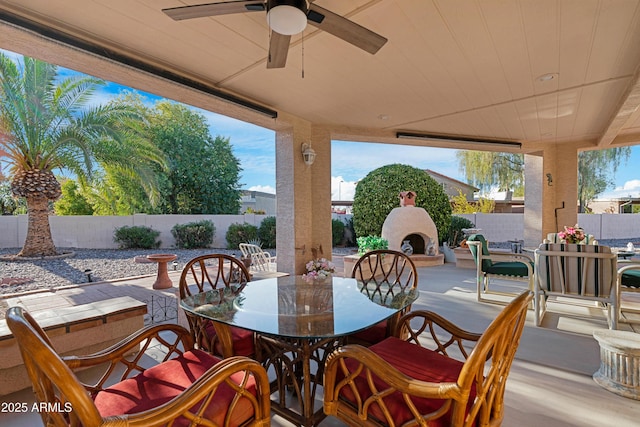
(298, 307)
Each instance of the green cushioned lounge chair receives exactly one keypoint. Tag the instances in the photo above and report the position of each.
(498, 265)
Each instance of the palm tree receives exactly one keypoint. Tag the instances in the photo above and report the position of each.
(45, 125)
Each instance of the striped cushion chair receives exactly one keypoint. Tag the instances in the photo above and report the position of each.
(587, 272)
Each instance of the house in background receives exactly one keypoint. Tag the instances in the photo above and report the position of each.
(452, 187)
(614, 206)
(258, 202)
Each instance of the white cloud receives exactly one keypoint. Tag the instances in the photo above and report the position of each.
(628, 189)
(341, 189)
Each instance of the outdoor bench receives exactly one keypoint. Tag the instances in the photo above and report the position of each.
(81, 329)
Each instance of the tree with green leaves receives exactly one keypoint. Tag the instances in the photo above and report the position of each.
(487, 170)
(45, 125)
(595, 172)
(203, 176)
(72, 201)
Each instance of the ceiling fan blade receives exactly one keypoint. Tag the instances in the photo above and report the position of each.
(213, 9)
(345, 29)
(278, 50)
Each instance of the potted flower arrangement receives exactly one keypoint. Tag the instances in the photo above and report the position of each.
(573, 234)
(319, 268)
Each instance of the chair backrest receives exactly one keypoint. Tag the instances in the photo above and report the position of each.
(209, 272)
(260, 259)
(576, 269)
(488, 365)
(390, 272)
(589, 239)
(54, 384)
(486, 261)
(212, 271)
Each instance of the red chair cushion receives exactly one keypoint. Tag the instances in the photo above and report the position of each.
(374, 334)
(161, 383)
(243, 343)
(414, 361)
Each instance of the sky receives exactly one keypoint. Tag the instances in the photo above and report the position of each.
(254, 147)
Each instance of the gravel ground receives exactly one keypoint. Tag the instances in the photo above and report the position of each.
(109, 264)
(105, 264)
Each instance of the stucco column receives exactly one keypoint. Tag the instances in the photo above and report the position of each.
(535, 198)
(551, 191)
(304, 195)
(565, 184)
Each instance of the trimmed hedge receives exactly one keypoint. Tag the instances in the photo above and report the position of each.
(240, 233)
(137, 236)
(192, 235)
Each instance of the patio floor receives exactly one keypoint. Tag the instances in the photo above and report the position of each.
(550, 382)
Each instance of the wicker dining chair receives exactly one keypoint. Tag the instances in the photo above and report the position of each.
(187, 387)
(384, 273)
(430, 378)
(216, 271)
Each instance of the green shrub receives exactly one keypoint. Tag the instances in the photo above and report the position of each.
(350, 232)
(377, 194)
(136, 236)
(193, 235)
(267, 232)
(337, 232)
(240, 233)
(455, 235)
(371, 243)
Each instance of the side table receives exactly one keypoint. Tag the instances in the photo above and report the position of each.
(162, 279)
(619, 362)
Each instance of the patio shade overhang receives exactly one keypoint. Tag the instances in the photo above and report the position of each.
(531, 73)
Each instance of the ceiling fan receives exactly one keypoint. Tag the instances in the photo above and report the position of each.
(286, 18)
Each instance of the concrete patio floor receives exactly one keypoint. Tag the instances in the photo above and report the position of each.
(550, 382)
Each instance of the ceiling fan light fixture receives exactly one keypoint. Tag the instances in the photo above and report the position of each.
(287, 17)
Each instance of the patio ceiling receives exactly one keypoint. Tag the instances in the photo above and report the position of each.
(468, 68)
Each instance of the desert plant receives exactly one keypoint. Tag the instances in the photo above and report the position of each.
(193, 235)
(456, 235)
(371, 243)
(267, 232)
(337, 232)
(240, 233)
(136, 236)
(377, 194)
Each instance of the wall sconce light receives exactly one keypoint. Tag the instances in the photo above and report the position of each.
(549, 179)
(308, 154)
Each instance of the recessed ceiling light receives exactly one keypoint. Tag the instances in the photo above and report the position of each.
(547, 77)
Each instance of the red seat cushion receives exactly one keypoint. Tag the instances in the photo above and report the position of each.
(374, 334)
(161, 383)
(243, 343)
(414, 361)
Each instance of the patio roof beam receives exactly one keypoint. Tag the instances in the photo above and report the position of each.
(460, 139)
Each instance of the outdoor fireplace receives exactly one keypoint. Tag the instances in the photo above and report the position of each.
(413, 224)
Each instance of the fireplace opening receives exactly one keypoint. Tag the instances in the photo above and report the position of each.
(417, 243)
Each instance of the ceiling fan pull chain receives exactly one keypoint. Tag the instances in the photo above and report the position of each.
(270, 30)
(302, 35)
